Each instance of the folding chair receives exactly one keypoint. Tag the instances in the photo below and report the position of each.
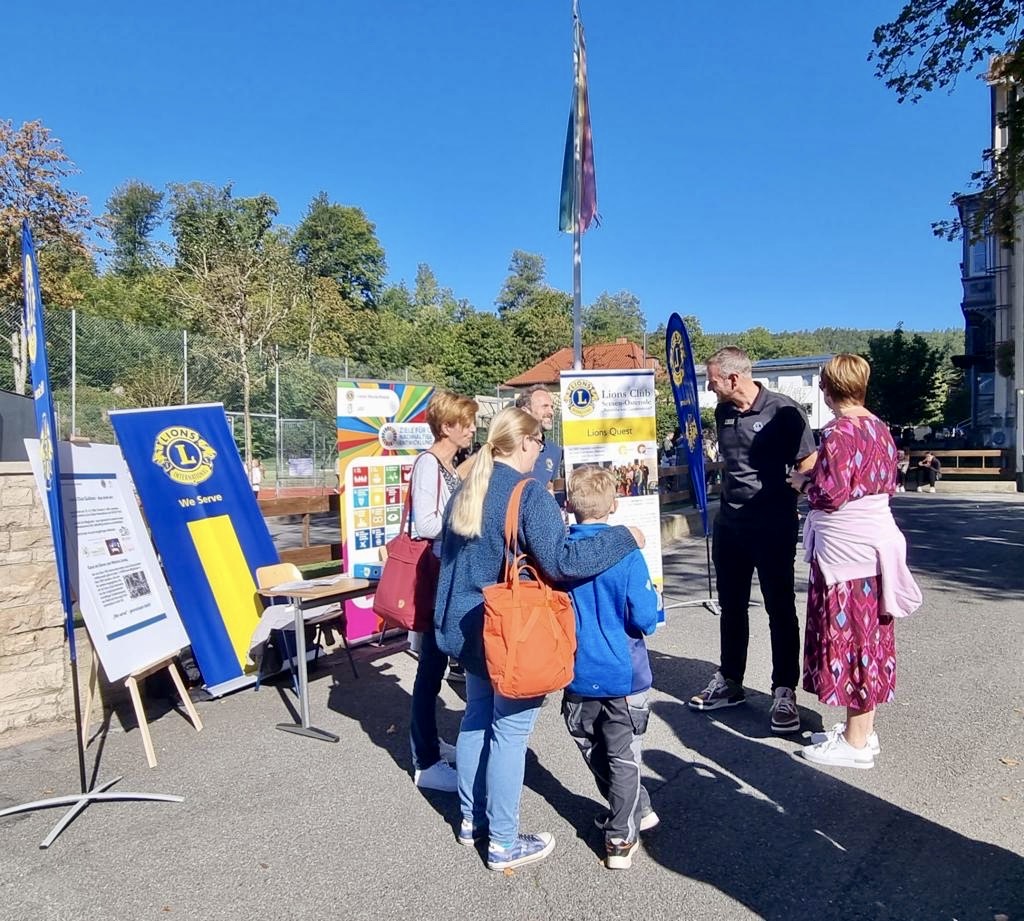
(326, 615)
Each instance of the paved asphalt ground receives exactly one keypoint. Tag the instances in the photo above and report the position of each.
(275, 826)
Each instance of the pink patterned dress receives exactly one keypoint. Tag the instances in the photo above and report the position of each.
(849, 649)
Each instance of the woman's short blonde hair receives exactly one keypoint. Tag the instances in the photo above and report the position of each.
(845, 377)
(447, 408)
(591, 492)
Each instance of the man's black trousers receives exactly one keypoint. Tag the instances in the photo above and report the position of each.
(770, 549)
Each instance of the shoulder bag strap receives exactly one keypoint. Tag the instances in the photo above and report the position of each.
(407, 505)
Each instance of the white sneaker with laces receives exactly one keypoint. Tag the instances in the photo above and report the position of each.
(837, 752)
(438, 776)
(818, 737)
(447, 751)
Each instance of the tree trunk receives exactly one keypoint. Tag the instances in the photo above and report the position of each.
(246, 395)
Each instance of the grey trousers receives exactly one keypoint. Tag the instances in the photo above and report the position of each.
(608, 732)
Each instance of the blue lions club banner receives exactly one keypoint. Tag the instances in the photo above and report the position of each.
(683, 377)
(206, 526)
(35, 337)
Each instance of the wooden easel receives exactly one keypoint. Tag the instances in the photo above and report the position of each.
(132, 683)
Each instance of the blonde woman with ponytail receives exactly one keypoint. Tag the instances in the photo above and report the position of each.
(491, 750)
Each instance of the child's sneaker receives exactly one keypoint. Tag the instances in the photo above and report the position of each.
(525, 849)
(720, 692)
(619, 853)
(648, 820)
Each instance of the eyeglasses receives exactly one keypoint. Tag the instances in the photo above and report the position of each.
(536, 440)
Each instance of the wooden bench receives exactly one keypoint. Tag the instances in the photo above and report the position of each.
(304, 506)
(988, 463)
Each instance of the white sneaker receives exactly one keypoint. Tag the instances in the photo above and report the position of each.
(931, 489)
(837, 752)
(439, 776)
(447, 751)
(818, 737)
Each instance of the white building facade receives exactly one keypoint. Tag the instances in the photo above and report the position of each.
(797, 378)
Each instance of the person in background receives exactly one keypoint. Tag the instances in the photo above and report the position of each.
(928, 468)
(858, 577)
(761, 436)
(491, 750)
(605, 706)
(539, 403)
(452, 421)
(902, 466)
(256, 476)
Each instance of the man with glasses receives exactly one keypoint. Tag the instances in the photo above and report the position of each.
(761, 436)
(539, 403)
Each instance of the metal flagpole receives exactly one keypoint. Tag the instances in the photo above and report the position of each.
(577, 202)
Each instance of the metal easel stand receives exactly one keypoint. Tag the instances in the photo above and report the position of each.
(78, 801)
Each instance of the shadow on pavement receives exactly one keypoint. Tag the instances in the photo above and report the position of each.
(958, 548)
(788, 840)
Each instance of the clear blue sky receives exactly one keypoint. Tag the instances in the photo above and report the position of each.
(751, 169)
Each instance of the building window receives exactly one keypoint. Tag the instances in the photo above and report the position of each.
(977, 257)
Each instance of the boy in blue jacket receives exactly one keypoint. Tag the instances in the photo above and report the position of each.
(605, 707)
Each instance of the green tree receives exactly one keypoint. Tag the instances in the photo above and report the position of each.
(927, 47)
(614, 316)
(339, 242)
(134, 211)
(540, 327)
(33, 170)
(236, 277)
(904, 377)
(525, 280)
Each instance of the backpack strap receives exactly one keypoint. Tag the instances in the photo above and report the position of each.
(512, 527)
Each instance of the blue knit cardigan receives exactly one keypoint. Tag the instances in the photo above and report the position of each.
(470, 564)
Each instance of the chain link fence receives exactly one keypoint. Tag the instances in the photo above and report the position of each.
(97, 365)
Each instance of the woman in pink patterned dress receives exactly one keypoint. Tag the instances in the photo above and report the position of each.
(858, 576)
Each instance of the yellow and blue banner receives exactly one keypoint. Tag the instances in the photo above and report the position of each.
(683, 376)
(206, 525)
(35, 339)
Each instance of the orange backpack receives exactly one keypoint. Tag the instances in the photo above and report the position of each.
(529, 628)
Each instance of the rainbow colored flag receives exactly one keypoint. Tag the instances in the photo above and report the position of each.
(579, 189)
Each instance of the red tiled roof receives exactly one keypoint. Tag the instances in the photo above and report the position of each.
(612, 355)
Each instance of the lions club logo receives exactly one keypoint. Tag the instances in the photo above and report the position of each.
(675, 358)
(184, 455)
(30, 308)
(581, 397)
(692, 435)
(46, 451)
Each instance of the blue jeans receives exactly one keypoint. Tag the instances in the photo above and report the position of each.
(491, 757)
(423, 720)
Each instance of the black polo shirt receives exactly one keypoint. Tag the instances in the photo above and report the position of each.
(759, 447)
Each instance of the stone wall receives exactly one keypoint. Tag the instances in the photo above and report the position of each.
(35, 673)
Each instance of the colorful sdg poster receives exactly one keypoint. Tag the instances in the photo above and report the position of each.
(381, 428)
(608, 421)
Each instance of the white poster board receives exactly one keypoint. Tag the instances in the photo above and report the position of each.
(608, 420)
(115, 576)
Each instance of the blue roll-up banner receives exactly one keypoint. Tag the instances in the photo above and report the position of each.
(683, 376)
(206, 526)
(35, 336)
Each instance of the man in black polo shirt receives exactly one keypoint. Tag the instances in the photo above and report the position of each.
(761, 437)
